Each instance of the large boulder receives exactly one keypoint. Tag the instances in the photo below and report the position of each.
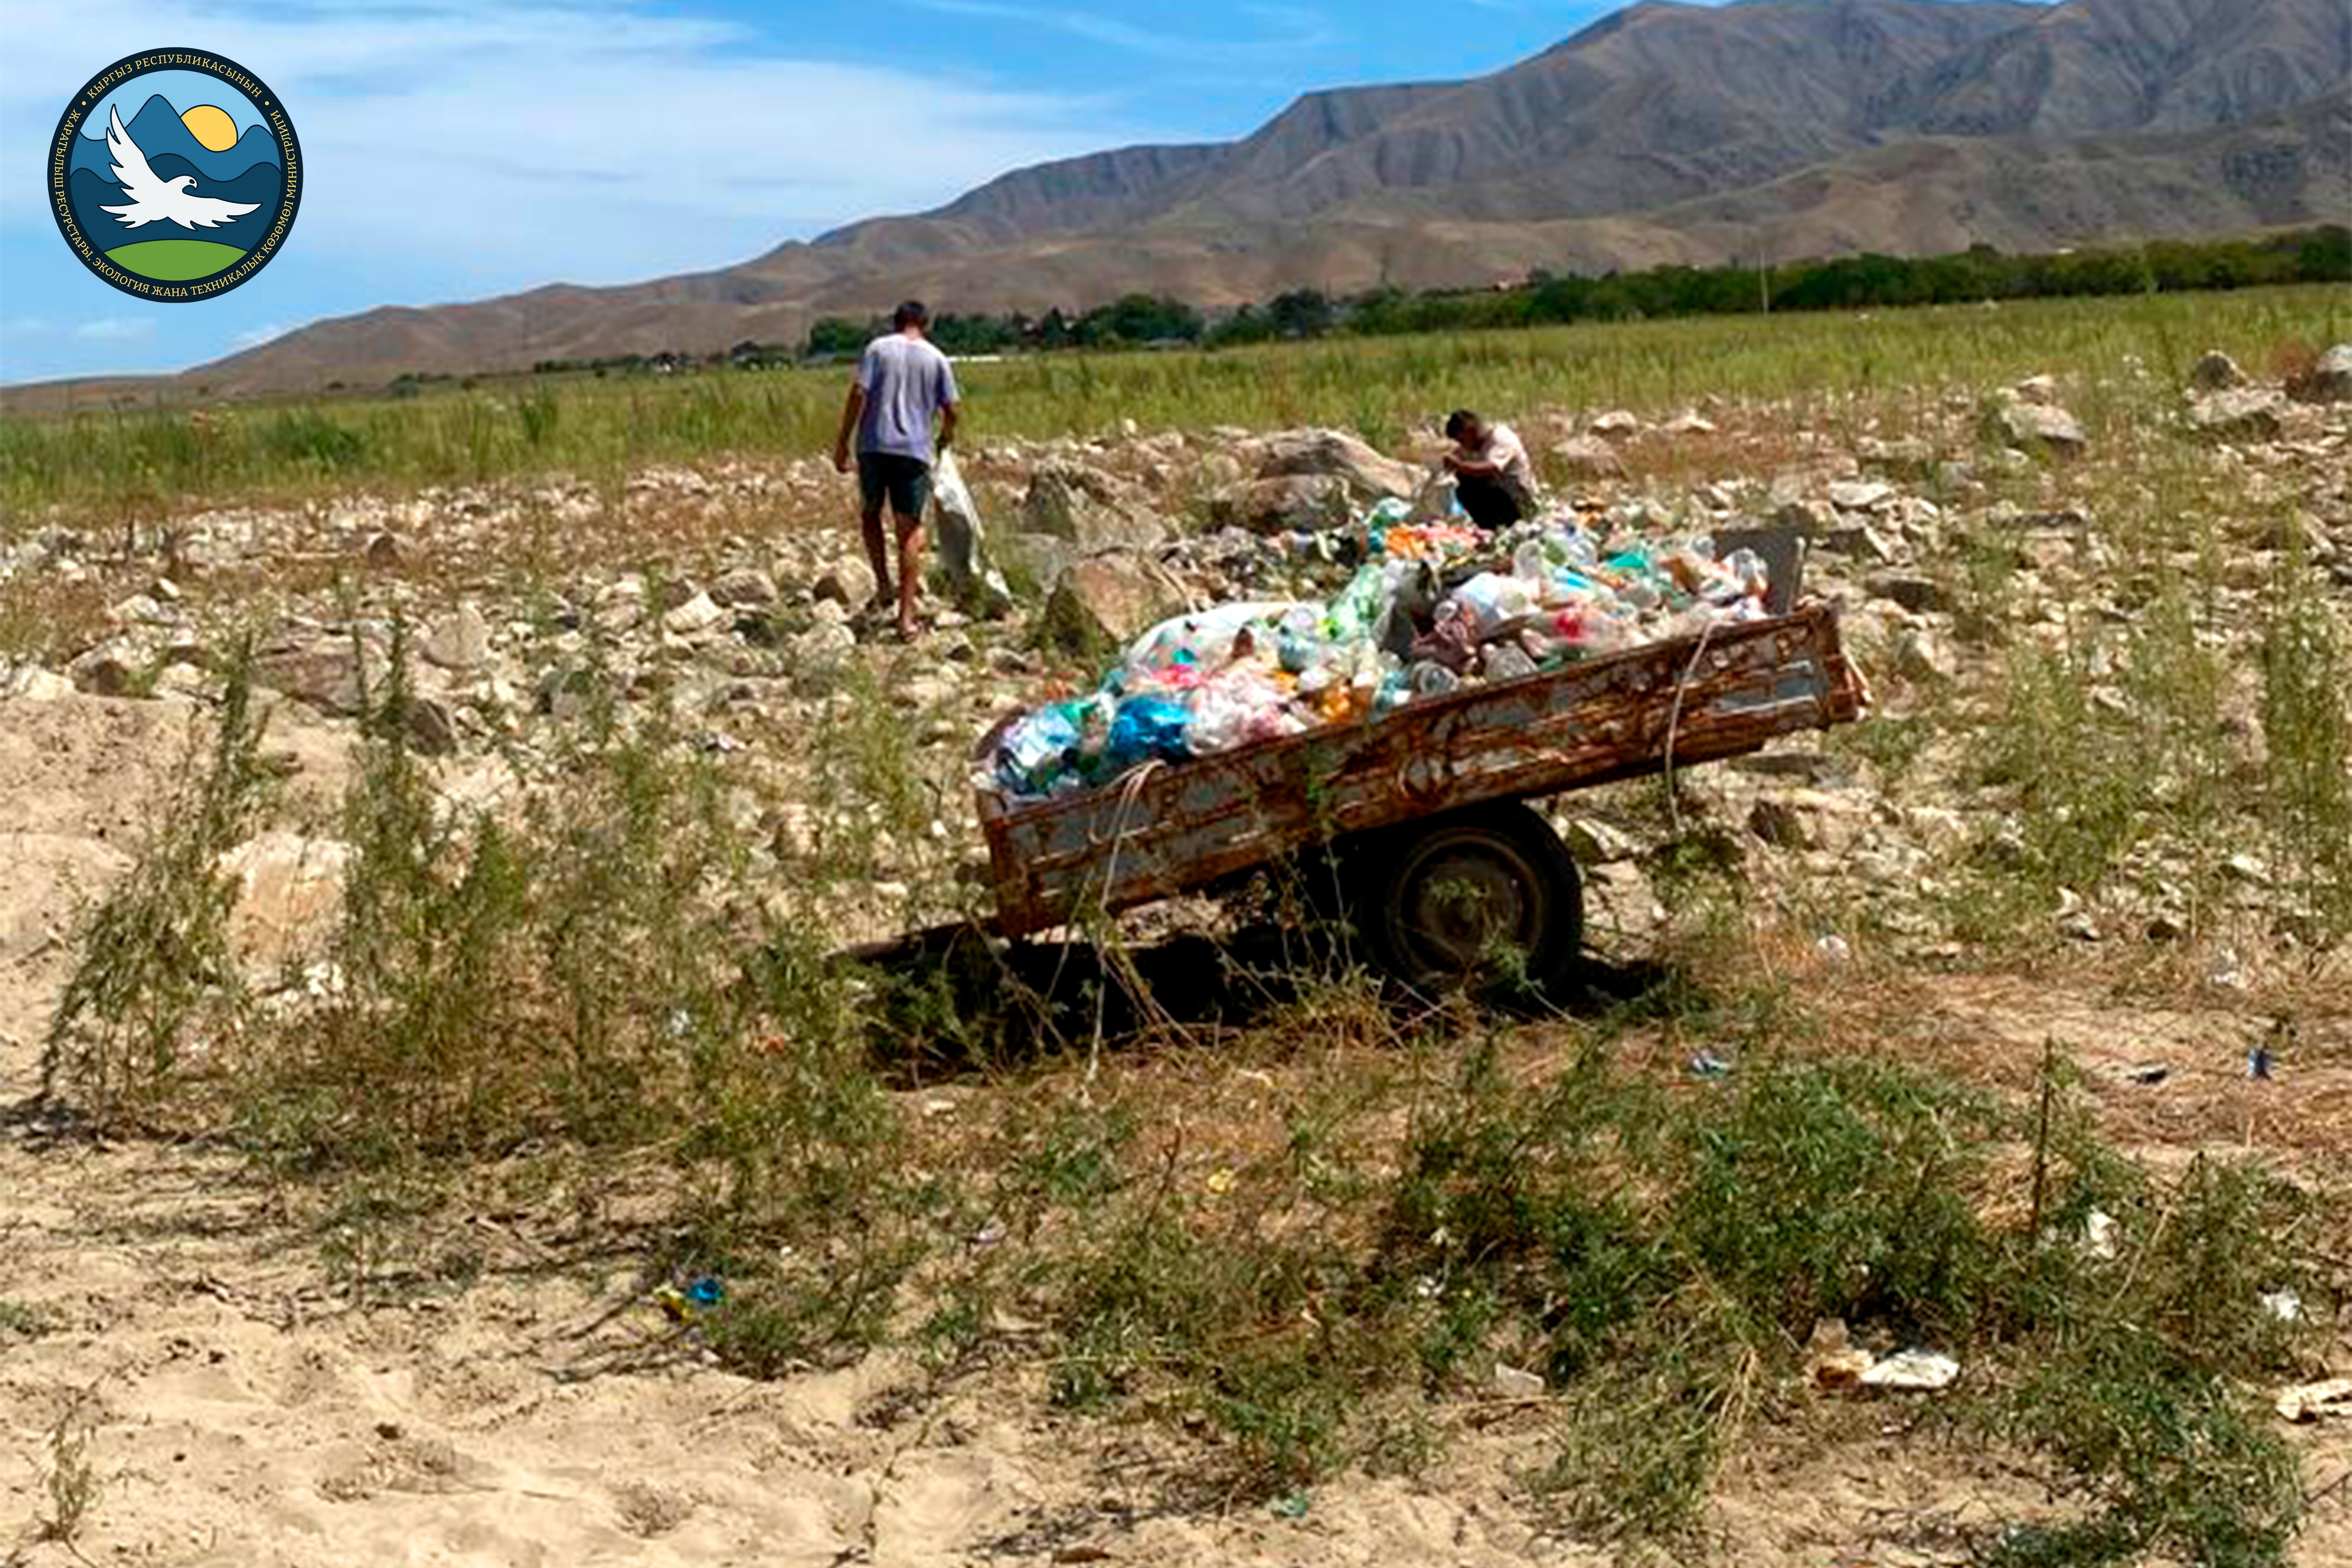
(2217, 372)
(1103, 603)
(2250, 414)
(1336, 453)
(1311, 479)
(1286, 501)
(2330, 380)
(1588, 457)
(1089, 507)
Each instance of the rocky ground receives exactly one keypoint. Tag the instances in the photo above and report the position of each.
(249, 1413)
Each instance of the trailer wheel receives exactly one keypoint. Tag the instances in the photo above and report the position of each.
(1487, 900)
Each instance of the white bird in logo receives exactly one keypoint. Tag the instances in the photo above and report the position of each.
(154, 200)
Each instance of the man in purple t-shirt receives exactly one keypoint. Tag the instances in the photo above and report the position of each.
(903, 382)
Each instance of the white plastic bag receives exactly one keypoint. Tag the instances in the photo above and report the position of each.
(962, 544)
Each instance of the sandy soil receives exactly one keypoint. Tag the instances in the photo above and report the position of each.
(249, 1414)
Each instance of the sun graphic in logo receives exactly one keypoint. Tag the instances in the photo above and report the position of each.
(211, 126)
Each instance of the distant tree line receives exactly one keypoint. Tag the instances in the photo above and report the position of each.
(2322, 254)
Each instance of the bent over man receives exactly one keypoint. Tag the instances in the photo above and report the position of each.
(1492, 476)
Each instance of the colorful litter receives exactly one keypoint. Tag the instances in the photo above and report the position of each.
(1436, 607)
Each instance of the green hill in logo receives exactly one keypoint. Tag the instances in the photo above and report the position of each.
(175, 260)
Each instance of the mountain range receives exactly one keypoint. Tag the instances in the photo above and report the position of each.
(160, 131)
(1665, 133)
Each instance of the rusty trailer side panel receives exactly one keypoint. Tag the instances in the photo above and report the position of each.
(1168, 830)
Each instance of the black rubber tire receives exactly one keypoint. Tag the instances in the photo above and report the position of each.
(1487, 900)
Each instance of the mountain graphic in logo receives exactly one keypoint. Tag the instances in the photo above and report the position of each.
(176, 193)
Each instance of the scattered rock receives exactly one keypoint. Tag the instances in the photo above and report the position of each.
(1616, 425)
(2040, 426)
(2039, 389)
(34, 684)
(1596, 843)
(1861, 495)
(461, 642)
(1920, 594)
(1780, 825)
(1589, 458)
(1805, 515)
(564, 694)
(1819, 769)
(109, 669)
(744, 588)
(1907, 457)
(696, 615)
(2249, 415)
(432, 728)
(324, 675)
(1512, 1383)
(2317, 1401)
(2330, 380)
(819, 651)
(849, 582)
(1862, 543)
(2077, 925)
(389, 552)
(1692, 423)
(289, 887)
(2217, 372)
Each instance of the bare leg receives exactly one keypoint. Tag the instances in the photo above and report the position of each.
(910, 571)
(877, 554)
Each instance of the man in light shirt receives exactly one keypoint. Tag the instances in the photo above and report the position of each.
(903, 383)
(1492, 476)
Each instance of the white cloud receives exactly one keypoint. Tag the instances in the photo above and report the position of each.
(117, 329)
(255, 337)
(1295, 29)
(589, 141)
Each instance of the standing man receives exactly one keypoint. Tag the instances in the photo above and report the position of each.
(903, 382)
(1492, 476)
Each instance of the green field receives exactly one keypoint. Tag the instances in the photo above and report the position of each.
(113, 455)
(175, 260)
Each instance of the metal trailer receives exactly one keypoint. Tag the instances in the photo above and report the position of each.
(1422, 814)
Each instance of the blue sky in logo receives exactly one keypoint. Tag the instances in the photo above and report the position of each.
(463, 148)
(181, 89)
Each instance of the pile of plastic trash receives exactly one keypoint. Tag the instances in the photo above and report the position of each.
(1421, 619)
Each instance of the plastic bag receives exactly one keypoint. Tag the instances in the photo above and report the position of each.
(963, 554)
(1036, 752)
(1205, 639)
(1147, 728)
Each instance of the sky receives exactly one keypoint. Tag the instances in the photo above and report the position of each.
(458, 149)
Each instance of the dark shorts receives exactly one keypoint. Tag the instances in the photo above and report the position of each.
(1491, 503)
(905, 482)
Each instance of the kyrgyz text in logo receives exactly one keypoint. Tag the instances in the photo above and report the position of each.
(174, 174)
